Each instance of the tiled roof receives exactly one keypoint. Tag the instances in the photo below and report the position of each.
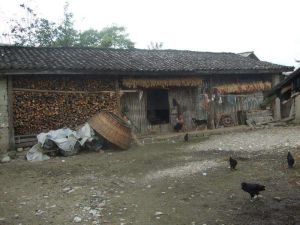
(75, 59)
(249, 55)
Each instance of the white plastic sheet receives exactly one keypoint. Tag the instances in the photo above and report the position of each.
(66, 138)
(86, 133)
(36, 154)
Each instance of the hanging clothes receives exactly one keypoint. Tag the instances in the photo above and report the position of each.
(205, 102)
(220, 100)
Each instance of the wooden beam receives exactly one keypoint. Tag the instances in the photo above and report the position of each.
(173, 73)
(68, 92)
(285, 89)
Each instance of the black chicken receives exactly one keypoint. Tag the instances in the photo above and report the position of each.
(198, 122)
(178, 127)
(186, 137)
(232, 163)
(290, 160)
(252, 189)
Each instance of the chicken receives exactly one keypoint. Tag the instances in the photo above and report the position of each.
(232, 163)
(186, 137)
(178, 127)
(198, 122)
(290, 160)
(252, 189)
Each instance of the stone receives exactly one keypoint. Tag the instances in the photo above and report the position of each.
(20, 149)
(5, 159)
(12, 154)
(67, 189)
(158, 213)
(94, 212)
(277, 199)
(77, 219)
(86, 208)
(39, 212)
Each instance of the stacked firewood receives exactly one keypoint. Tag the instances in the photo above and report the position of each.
(37, 110)
(65, 83)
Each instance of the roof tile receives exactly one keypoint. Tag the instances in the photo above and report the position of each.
(97, 59)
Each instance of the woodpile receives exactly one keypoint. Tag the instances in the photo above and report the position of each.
(162, 83)
(42, 105)
(235, 88)
(66, 83)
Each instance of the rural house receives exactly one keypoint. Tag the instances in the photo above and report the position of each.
(286, 94)
(49, 88)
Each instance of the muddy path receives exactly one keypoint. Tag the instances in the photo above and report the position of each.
(170, 183)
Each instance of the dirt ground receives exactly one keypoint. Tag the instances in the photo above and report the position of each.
(167, 183)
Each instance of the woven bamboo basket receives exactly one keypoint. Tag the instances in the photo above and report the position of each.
(113, 128)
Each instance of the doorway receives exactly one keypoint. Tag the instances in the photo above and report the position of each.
(158, 109)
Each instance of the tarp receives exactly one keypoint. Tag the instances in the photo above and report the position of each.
(66, 138)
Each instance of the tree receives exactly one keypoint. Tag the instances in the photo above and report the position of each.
(155, 45)
(109, 37)
(32, 30)
(46, 33)
(90, 38)
(66, 33)
(22, 31)
(115, 37)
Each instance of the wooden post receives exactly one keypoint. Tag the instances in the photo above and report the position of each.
(4, 117)
(211, 107)
(10, 100)
(276, 104)
(117, 89)
(297, 108)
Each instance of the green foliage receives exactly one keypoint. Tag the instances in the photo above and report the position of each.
(31, 30)
(90, 38)
(155, 45)
(109, 37)
(46, 33)
(115, 37)
(66, 36)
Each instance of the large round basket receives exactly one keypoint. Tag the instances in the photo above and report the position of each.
(113, 128)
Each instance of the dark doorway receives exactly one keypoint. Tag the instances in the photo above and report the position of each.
(157, 106)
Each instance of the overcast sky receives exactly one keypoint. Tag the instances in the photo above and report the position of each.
(270, 28)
